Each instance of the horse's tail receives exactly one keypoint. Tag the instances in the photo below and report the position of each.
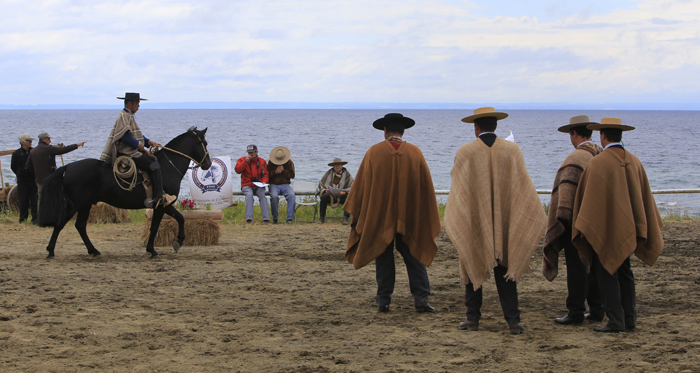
(54, 205)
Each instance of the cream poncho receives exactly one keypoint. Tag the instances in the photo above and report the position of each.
(493, 213)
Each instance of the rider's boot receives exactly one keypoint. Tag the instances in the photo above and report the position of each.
(157, 186)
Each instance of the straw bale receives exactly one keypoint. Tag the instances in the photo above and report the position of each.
(103, 213)
(198, 232)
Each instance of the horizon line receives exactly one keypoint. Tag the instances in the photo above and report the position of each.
(242, 105)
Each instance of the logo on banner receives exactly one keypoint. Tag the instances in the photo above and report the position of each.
(212, 179)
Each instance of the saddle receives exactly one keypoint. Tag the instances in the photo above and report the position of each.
(125, 171)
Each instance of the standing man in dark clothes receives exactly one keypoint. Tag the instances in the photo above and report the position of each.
(580, 285)
(26, 186)
(281, 171)
(42, 159)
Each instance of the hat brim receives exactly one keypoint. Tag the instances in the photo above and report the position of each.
(131, 99)
(335, 163)
(497, 115)
(598, 127)
(569, 127)
(287, 156)
(382, 122)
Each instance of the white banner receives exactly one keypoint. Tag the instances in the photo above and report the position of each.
(213, 186)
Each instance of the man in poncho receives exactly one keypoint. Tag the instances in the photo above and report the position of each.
(614, 216)
(580, 285)
(126, 139)
(493, 217)
(393, 204)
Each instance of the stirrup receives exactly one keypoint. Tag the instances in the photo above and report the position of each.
(168, 199)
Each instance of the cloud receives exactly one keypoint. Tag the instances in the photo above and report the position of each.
(65, 51)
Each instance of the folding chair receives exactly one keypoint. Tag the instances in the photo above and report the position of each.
(304, 188)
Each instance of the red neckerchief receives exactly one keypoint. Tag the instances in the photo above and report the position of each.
(395, 141)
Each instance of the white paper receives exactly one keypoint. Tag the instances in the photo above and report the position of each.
(259, 184)
(334, 191)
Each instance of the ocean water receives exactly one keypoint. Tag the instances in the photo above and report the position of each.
(663, 140)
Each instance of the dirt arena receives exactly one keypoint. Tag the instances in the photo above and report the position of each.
(282, 298)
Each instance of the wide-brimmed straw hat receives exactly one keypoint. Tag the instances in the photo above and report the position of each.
(132, 96)
(483, 112)
(280, 155)
(577, 121)
(337, 161)
(391, 118)
(614, 123)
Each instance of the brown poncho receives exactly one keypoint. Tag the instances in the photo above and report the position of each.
(615, 213)
(393, 193)
(561, 205)
(125, 123)
(493, 213)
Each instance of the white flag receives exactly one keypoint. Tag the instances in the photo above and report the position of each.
(212, 186)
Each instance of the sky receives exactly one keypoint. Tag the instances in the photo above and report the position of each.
(436, 51)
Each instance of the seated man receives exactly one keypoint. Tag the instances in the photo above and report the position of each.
(252, 170)
(281, 171)
(333, 188)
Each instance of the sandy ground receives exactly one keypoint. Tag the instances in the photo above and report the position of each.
(282, 299)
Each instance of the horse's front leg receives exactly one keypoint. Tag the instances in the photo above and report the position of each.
(172, 211)
(81, 226)
(155, 224)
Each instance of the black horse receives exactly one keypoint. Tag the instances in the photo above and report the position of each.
(79, 185)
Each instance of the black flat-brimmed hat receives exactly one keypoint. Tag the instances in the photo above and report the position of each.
(393, 118)
(577, 121)
(132, 96)
(613, 123)
(484, 112)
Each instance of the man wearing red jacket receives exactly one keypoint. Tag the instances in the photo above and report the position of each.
(254, 178)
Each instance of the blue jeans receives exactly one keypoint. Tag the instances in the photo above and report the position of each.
(288, 193)
(249, 201)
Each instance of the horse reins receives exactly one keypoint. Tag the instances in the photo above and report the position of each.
(131, 172)
(199, 164)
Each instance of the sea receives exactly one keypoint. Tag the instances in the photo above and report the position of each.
(663, 140)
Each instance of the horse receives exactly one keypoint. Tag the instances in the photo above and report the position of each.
(77, 186)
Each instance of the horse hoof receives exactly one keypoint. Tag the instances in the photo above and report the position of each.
(154, 255)
(176, 246)
(50, 256)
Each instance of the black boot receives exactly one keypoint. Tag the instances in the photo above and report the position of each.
(156, 185)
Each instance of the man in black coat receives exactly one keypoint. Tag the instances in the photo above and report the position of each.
(26, 186)
(42, 159)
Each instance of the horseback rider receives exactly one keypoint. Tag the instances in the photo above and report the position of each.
(126, 139)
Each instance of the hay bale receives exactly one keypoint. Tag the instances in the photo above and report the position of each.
(198, 232)
(103, 213)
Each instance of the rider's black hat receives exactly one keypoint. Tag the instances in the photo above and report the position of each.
(131, 96)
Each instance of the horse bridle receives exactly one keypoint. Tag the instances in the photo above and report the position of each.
(199, 164)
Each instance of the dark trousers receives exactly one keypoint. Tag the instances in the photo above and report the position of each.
(145, 163)
(326, 199)
(619, 294)
(386, 274)
(507, 293)
(27, 195)
(581, 285)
